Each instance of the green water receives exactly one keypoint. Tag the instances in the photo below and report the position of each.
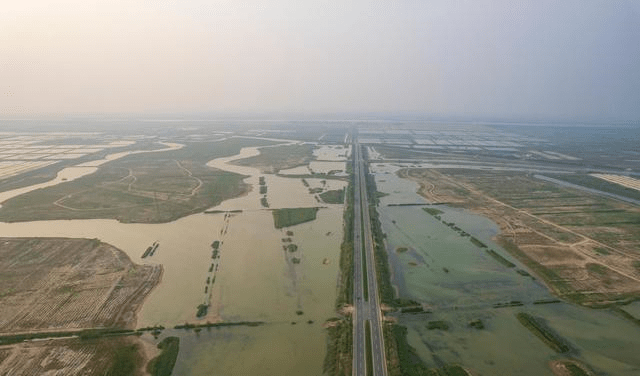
(460, 282)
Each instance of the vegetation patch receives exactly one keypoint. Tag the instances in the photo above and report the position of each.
(402, 359)
(163, 364)
(438, 324)
(540, 330)
(273, 159)
(338, 360)
(293, 216)
(333, 197)
(500, 259)
(433, 211)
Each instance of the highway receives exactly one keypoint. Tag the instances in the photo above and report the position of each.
(365, 310)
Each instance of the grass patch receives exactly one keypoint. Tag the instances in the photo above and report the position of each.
(433, 211)
(163, 364)
(402, 359)
(125, 361)
(438, 324)
(333, 196)
(500, 259)
(274, 159)
(602, 251)
(293, 216)
(540, 330)
(596, 269)
(338, 359)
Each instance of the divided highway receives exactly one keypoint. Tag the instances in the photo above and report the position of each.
(365, 310)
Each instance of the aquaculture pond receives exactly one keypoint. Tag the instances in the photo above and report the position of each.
(472, 291)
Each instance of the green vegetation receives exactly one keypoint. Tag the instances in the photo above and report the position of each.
(162, 365)
(291, 247)
(433, 211)
(540, 330)
(263, 189)
(188, 326)
(339, 355)
(338, 360)
(264, 202)
(143, 188)
(513, 303)
(274, 159)
(575, 370)
(602, 251)
(368, 348)
(438, 324)
(125, 361)
(477, 242)
(202, 310)
(345, 285)
(596, 268)
(365, 275)
(409, 363)
(333, 197)
(401, 249)
(261, 180)
(477, 324)
(500, 259)
(293, 216)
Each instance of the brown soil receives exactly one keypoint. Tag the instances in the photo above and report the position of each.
(555, 231)
(56, 284)
(72, 357)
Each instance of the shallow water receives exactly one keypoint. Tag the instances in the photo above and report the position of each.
(460, 282)
(255, 278)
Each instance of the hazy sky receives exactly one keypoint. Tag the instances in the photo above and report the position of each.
(509, 58)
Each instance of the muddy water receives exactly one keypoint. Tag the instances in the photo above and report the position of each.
(460, 282)
(255, 278)
(184, 252)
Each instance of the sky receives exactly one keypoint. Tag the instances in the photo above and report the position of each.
(539, 58)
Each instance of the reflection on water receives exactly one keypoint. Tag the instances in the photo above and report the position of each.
(460, 282)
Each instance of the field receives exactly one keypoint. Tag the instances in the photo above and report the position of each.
(583, 246)
(140, 188)
(273, 159)
(54, 284)
(106, 356)
(58, 284)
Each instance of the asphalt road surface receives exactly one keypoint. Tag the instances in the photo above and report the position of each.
(365, 310)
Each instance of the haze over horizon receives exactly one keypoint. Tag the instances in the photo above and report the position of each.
(570, 59)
